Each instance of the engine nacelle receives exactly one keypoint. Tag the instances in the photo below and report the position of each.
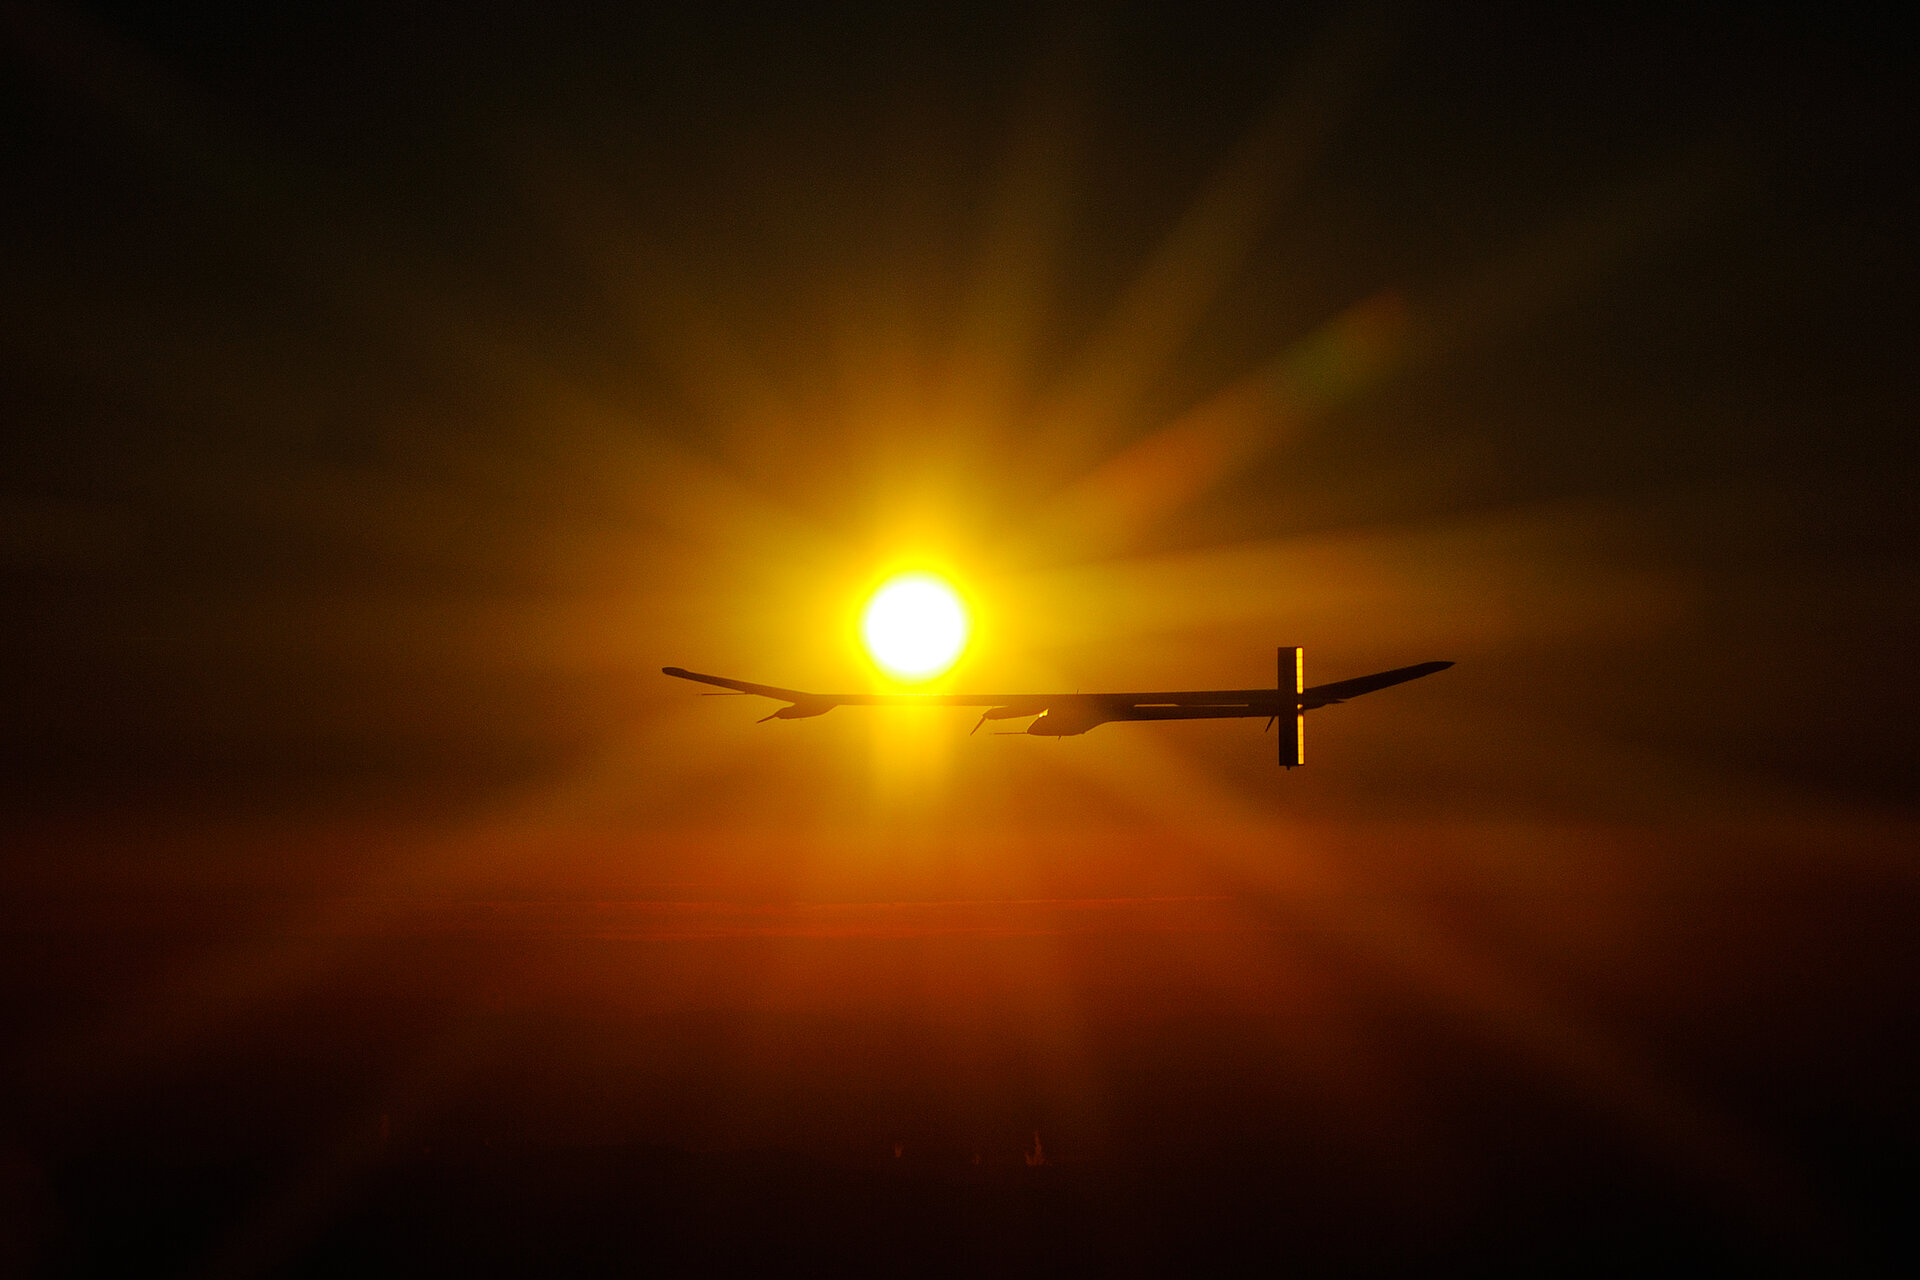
(801, 711)
(1068, 720)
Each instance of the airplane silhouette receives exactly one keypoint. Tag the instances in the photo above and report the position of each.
(1064, 714)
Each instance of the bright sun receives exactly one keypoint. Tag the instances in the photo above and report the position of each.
(915, 626)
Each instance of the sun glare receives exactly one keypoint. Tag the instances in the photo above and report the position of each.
(914, 627)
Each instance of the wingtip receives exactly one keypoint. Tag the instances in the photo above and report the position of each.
(674, 671)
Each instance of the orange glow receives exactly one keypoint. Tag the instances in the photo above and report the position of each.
(397, 718)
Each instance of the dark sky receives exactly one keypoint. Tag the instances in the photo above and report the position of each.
(390, 394)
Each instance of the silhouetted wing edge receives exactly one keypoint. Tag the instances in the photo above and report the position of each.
(1339, 690)
(739, 686)
(826, 700)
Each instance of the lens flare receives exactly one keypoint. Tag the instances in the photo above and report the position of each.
(914, 627)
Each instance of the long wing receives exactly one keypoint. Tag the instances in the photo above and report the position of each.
(1178, 704)
(1340, 690)
(830, 700)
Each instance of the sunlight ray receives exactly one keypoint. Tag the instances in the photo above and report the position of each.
(1172, 467)
(1207, 246)
(1540, 571)
(1309, 886)
(1004, 312)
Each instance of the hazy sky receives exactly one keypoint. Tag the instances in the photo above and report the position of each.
(391, 394)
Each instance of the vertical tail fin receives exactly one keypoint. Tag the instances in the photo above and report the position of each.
(1293, 679)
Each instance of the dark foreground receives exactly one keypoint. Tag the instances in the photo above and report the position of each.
(638, 1210)
(1731, 1093)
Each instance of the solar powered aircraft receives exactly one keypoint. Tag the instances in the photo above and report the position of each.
(1067, 714)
